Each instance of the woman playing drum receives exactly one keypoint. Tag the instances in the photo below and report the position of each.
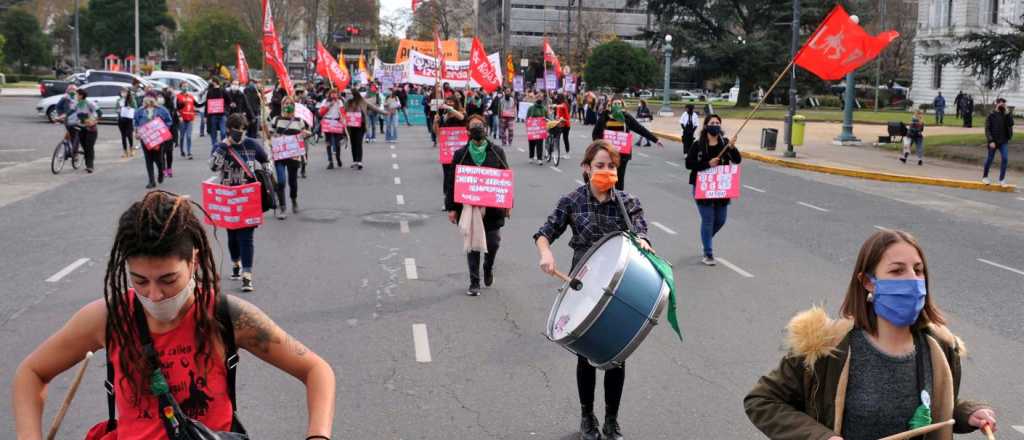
(592, 211)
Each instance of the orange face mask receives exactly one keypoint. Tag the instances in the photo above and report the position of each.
(604, 180)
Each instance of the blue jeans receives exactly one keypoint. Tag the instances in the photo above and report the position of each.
(712, 218)
(241, 247)
(391, 134)
(939, 115)
(1004, 152)
(918, 146)
(202, 122)
(493, 122)
(218, 130)
(185, 137)
(372, 122)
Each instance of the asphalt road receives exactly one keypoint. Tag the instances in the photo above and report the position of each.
(339, 276)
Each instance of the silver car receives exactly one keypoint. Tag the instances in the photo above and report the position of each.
(103, 94)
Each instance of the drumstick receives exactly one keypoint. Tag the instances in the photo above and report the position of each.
(67, 399)
(987, 429)
(574, 284)
(919, 431)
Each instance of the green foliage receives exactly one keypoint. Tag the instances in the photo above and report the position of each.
(2, 42)
(386, 48)
(108, 26)
(994, 57)
(209, 38)
(26, 45)
(619, 65)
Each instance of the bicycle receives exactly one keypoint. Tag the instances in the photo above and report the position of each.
(552, 144)
(66, 149)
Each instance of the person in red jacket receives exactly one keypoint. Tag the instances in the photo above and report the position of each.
(562, 113)
(187, 113)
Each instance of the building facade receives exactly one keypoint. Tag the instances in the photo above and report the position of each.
(939, 23)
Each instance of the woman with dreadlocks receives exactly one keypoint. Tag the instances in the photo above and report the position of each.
(162, 278)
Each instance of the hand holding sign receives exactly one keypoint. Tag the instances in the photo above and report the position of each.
(718, 182)
(154, 133)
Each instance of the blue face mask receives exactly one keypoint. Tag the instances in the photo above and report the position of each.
(899, 301)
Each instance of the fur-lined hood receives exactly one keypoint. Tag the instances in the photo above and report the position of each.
(812, 334)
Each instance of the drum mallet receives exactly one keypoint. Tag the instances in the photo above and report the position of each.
(67, 399)
(987, 429)
(574, 284)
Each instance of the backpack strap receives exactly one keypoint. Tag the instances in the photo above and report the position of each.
(227, 335)
(109, 385)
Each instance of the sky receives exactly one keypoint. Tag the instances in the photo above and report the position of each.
(388, 7)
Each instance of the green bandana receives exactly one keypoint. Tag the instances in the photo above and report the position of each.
(665, 270)
(617, 113)
(478, 152)
(923, 415)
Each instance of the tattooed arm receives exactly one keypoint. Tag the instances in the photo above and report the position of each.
(255, 332)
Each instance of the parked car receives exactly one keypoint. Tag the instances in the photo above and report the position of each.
(176, 79)
(53, 87)
(50, 87)
(687, 95)
(104, 94)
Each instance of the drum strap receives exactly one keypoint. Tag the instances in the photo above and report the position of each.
(625, 214)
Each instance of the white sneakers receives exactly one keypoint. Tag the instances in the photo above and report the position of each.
(1003, 183)
(986, 181)
(708, 261)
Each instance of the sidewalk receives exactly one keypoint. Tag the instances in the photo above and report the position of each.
(17, 91)
(819, 154)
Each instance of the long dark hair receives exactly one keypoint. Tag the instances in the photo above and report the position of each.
(703, 138)
(160, 225)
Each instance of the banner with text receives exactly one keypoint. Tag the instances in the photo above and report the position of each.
(154, 133)
(621, 140)
(482, 186)
(448, 140)
(233, 207)
(287, 147)
(536, 129)
(422, 69)
(406, 47)
(721, 182)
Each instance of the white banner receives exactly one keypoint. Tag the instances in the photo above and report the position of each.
(388, 74)
(422, 69)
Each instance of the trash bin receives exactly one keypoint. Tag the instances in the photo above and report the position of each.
(799, 124)
(769, 136)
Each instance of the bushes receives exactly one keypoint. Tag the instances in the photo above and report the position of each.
(13, 77)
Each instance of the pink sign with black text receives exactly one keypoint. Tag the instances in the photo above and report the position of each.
(483, 186)
(721, 182)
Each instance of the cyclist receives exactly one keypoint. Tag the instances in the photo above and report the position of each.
(66, 114)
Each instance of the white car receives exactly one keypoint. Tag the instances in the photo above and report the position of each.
(104, 94)
(197, 84)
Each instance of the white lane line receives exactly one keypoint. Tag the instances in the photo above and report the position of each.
(580, 182)
(754, 189)
(1020, 198)
(400, 199)
(394, 156)
(735, 268)
(1019, 428)
(521, 150)
(556, 169)
(812, 206)
(672, 163)
(403, 226)
(394, 166)
(70, 268)
(881, 228)
(420, 341)
(398, 180)
(392, 147)
(410, 269)
(642, 154)
(664, 228)
(17, 150)
(992, 263)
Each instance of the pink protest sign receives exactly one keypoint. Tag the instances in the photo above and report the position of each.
(721, 182)
(621, 140)
(215, 106)
(536, 129)
(287, 147)
(233, 207)
(482, 186)
(354, 119)
(332, 126)
(449, 140)
(154, 133)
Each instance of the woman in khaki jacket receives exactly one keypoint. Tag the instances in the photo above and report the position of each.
(859, 376)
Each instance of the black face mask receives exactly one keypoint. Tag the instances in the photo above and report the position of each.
(236, 136)
(477, 133)
(714, 130)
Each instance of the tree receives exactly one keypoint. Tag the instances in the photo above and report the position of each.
(993, 57)
(392, 27)
(2, 42)
(592, 27)
(619, 65)
(108, 26)
(209, 38)
(449, 17)
(288, 14)
(26, 45)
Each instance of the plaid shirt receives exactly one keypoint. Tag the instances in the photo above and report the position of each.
(590, 219)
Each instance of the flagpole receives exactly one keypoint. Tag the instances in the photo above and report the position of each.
(759, 103)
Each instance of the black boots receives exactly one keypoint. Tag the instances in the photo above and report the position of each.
(295, 206)
(611, 429)
(589, 428)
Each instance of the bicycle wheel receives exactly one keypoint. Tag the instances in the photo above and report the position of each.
(557, 151)
(57, 161)
(76, 157)
(547, 149)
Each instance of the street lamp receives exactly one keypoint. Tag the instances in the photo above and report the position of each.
(666, 109)
(847, 137)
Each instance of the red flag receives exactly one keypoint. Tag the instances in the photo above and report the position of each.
(415, 3)
(328, 67)
(839, 46)
(480, 68)
(439, 54)
(241, 66)
(272, 49)
(550, 57)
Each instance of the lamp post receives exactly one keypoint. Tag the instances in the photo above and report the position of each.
(78, 65)
(666, 109)
(847, 137)
(138, 56)
(794, 41)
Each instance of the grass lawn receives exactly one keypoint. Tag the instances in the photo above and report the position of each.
(725, 109)
(21, 85)
(967, 148)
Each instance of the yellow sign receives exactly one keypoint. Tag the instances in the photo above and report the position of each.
(449, 47)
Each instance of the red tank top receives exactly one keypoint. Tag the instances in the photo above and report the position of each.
(201, 393)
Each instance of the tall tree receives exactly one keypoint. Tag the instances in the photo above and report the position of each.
(619, 65)
(392, 29)
(26, 45)
(209, 38)
(108, 26)
(449, 17)
(994, 57)
(288, 15)
(3, 41)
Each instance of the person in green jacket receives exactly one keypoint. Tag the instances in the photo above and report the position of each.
(537, 110)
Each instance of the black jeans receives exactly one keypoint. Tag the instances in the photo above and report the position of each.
(291, 166)
(241, 246)
(334, 141)
(355, 137)
(586, 381)
(473, 258)
(153, 160)
(623, 161)
(167, 151)
(87, 138)
(565, 138)
(446, 172)
(537, 146)
(125, 126)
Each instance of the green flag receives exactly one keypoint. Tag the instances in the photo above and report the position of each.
(665, 269)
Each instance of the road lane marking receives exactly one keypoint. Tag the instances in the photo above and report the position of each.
(400, 199)
(398, 180)
(1019, 428)
(881, 228)
(812, 206)
(664, 228)
(642, 154)
(521, 150)
(580, 182)
(392, 147)
(1020, 198)
(420, 341)
(556, 169)
(754, 189)
(403, 226)
(394, 166)
(992, 263)
(672, 163)
(18, 150)
(394, 156)
(735, 268)
(65, 271)
(410, 269)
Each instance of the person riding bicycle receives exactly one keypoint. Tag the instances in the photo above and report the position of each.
(66, 113)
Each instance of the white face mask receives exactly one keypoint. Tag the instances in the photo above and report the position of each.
(167, 309)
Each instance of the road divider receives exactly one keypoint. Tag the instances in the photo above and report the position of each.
(398, 180)
(66, 270)
(410, 269)
(400, 199)
(394, 166)
(403, 227)
(421, 343)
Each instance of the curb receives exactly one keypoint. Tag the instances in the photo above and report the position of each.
(861, 174)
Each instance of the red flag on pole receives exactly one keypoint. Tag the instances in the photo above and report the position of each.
(480, 68)
(415, 3)
(328, 67)
(840, 46)
(272, 50)
(241, 66)
(550, 57)
(439, 54)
